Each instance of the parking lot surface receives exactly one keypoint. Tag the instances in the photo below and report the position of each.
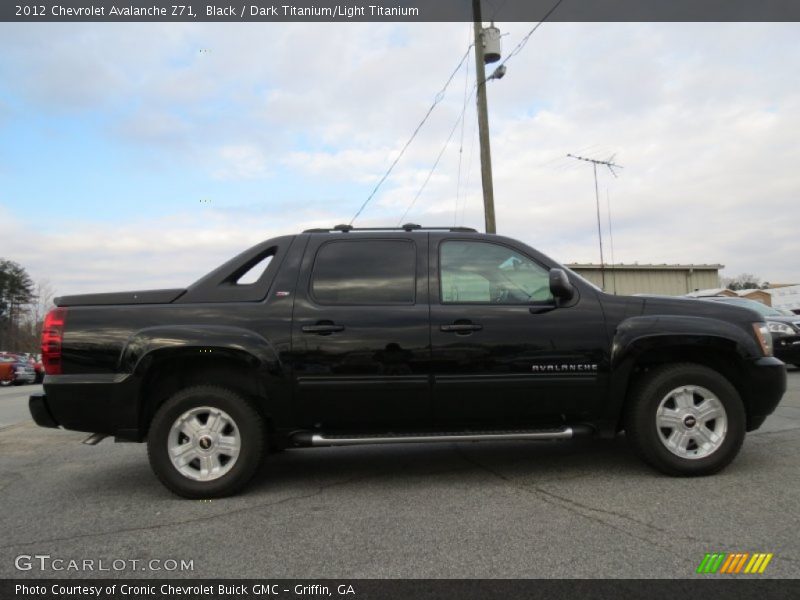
(501, 509)
(14, 403)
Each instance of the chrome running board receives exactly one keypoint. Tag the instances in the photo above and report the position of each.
(322, 439)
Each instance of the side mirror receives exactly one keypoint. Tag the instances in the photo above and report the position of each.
(560, 286)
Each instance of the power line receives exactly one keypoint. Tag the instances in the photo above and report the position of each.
(437, 99)
(518, 48)
(472, 136)
(483, 109)
(436, 162)
(460, 119)
(461, 145)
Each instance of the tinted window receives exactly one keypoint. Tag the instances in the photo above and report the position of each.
(365, 272)
(484, 272)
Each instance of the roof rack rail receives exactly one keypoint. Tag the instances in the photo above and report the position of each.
(406, 227)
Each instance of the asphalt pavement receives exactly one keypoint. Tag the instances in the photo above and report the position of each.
(499, 509)
(14, 403)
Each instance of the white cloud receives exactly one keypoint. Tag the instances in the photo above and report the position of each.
(142, 253)
(702, 116)
(243, 161)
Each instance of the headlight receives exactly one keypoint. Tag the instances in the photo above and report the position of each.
(764, 337)
(781, 328)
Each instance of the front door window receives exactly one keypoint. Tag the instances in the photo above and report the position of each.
(486, 273)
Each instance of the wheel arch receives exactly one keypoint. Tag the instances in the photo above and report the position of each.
(634, 356)
(164, 361)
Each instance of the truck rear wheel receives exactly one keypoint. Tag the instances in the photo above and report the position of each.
(206, 442)
(686, 420)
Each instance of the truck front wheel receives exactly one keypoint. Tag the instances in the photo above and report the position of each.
(206, 442)
(685, 419)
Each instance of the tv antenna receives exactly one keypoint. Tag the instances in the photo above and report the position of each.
(611, 166)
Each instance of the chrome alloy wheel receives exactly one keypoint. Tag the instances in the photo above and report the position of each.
(691, 422)
(204, 443)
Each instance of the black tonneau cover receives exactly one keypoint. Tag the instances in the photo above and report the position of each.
(141, 297)
(221, 285)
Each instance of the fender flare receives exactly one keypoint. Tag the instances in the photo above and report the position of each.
(637, 335)
(148, 346)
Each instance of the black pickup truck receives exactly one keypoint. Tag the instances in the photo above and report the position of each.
(344, 336)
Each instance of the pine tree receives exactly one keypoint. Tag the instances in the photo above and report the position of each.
(16, 291)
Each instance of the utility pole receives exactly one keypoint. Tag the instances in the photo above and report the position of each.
(610, 164)
(483, 121)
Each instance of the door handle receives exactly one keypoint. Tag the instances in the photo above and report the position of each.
(461, 328)
(323, 328)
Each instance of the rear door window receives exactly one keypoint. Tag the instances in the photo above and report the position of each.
(364, 272)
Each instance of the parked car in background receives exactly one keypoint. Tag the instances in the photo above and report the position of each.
(38, 367)
(785, 328)
(16, 370)
(35, 360)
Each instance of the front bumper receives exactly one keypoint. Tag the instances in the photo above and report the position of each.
(787, 348)
(764, 383)
(37, 404)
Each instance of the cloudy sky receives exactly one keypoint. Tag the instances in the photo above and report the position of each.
(143, 155)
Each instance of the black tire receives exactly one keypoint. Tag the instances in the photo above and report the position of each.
(251, 433)
(645, 436)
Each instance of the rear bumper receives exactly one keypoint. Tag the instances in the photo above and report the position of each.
(92, 403)
(764, 385)
(37, 404)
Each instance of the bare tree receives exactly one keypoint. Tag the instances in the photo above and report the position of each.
(30, 327)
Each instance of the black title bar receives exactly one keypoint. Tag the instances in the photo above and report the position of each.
(341, 11)
(744, 588)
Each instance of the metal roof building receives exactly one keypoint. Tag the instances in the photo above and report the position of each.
(668, 280)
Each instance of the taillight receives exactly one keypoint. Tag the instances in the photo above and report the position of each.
(52, 335)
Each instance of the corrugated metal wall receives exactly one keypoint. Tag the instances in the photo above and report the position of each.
(668, 282)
